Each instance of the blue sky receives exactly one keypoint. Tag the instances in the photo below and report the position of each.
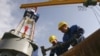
(47, 24)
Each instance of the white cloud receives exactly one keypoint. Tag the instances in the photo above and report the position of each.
(43, 28)
(5, 16)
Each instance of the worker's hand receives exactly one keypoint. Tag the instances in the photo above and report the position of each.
(59, 44)
(76, 35)
(74, 43)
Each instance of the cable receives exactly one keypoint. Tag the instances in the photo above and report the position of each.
(98, 8)
(98, 15)
(95, 13)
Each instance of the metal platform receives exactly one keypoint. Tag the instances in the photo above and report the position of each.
(89, 47)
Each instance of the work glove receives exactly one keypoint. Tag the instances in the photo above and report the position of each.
(74, 42)
(77, 35)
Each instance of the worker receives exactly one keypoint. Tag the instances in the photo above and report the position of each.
(73, 34)
(59, 49)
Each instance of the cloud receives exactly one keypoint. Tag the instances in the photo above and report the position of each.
(6, 18)
(41, 28)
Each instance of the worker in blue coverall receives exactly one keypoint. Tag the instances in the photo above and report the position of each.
(59, 49)
(73, 34)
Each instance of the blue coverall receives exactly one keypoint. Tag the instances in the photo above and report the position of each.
(74, 35)
(59, 50)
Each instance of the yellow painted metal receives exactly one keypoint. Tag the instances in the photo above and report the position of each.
(51, 3)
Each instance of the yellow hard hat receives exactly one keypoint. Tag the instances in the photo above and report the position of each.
(52, 38)
(61, 24)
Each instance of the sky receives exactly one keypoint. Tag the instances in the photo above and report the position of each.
(87, 18)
